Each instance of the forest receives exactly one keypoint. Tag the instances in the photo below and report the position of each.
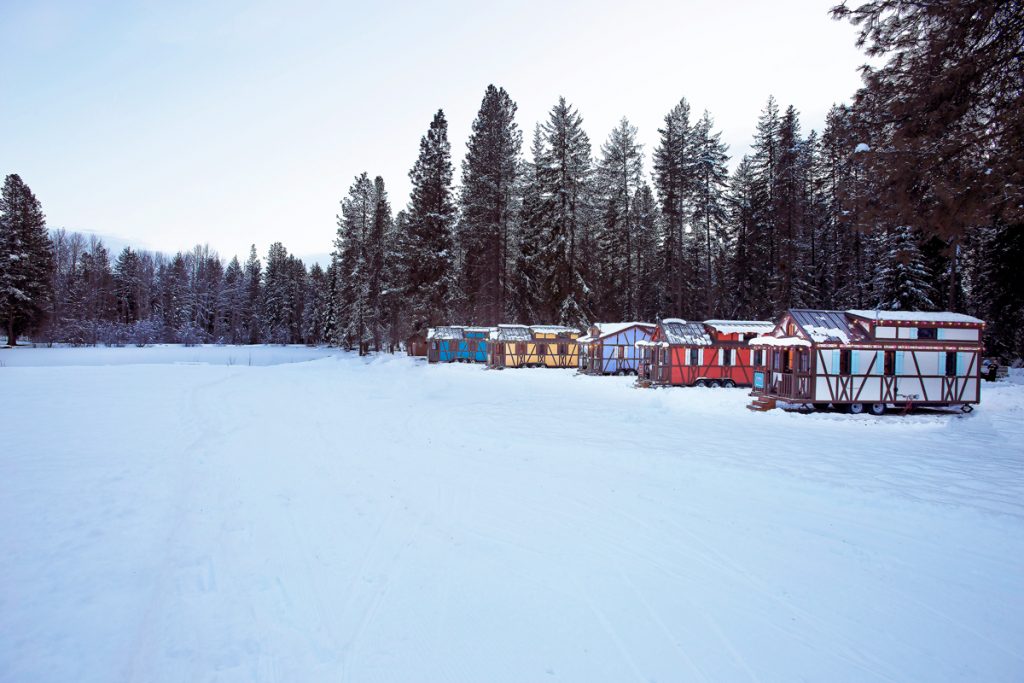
(910, 197)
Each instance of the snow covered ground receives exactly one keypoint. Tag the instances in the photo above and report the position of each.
(348, 519)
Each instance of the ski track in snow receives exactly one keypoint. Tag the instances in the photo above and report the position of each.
(380, 520)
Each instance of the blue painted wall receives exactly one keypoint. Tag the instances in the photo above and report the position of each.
(627, 338)
(473, 348)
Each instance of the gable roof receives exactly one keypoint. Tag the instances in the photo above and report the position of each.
(828, 326)
(676, 331)
(511, 333)
(611, 329)
(553, 329)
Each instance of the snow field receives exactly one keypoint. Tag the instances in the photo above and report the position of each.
(382, 520)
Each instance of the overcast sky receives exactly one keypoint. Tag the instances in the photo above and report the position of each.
(229, 123)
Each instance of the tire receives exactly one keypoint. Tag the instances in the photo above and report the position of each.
(700, 383)
(855, 408)
(877, 409)
(728, 384)
(714, 384)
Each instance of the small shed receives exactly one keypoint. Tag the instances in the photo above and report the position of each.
(555, 346)
(610, 348)
(443, 343)
(861, 360)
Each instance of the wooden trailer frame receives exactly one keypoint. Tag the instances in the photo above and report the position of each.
(610, 348)
(443, 343)
(858, 359)
(537, 346)
(713, 353)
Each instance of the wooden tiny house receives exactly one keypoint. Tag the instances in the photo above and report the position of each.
(516, 346)
(869, 360)
(443, 343)
(610, 348)
(714, 353)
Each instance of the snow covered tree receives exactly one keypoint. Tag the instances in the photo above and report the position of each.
(251, 317)
(902, 278)
(488, 206)
(619, 176)
(674, 181)
(429, 256)
(564, 176)
(128, 285)
(525, 295)
(26, 259)
(233, 302)
(646, 223)
(710, 176)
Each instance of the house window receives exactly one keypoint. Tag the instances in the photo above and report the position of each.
(776, 360)
(758, 357)
(694, 356)
(930, 333)
(845, 362)
(890, 363)
(622, 353)
(521, 349)
(726, 356)
(803, 361)
(950, 363)
(563, 349)
(542, 349)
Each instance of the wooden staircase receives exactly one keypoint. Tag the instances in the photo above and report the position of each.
(761, 404)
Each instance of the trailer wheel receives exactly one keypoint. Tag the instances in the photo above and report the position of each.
(714, 384)
(728, 384)
(700, 383)
(878, 409)
(855, 408)
(966, 408)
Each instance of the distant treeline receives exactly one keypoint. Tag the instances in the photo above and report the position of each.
(909, 198)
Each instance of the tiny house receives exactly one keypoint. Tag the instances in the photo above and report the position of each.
(472, 348)
(443, 344)
(610, 348)
(714, 353)
(861, 360)
(539, 346)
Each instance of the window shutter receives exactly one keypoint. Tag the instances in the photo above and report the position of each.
(939, 335)
(700, 356)
(686, 356)
(834, 369)
(961, 363)
(719, 356)
(854, 357)
(913, 333)
(879, 362)
(899, 362)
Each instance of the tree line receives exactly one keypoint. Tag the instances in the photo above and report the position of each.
(908, 198)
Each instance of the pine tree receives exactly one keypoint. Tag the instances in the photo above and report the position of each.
(525, 295)
(429, 258)
(233, 302)
(619, 176)
(488, 205)
(902, 278)
(251, 318)
(762, 242)
(674, 180)
(646, 223)
(564, 177)
(26, 259)
(277, 301)
(375, 277)
(354, 226)
(748, 300)
(711, 177)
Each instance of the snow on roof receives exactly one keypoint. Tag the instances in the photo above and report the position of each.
(610, 329)
(917, 316)
(478, 330)
(678, 331)
(828, 326)
(511, 333)
(450, 332)
(740, 326)
(778, 341)
(553, 329)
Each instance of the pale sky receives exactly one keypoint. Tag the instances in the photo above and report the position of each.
(168, 124)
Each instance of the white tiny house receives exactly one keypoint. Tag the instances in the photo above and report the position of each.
(870, 360)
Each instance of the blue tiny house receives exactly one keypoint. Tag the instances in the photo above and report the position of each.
(443, 344)
(610, 348)
(472, 348)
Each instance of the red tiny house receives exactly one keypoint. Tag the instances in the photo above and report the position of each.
(712, 353)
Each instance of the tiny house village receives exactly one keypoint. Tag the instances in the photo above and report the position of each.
(853, 361)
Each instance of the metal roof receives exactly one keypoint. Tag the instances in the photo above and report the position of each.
(677, 331)
(449, 332)
(917, 316)
(512, 333)
(828, 326)
(741, 326)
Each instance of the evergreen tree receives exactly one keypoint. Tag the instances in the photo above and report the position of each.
(525, 296)
(354, 225)
(488, 204)
(277, 302)
(710, 212)
(619, 176)
(902, 278)
(645, 220)
(252, 286)
(674, 180)
(564, 177)
(26, 259)
(233, 302)
(429, 257)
